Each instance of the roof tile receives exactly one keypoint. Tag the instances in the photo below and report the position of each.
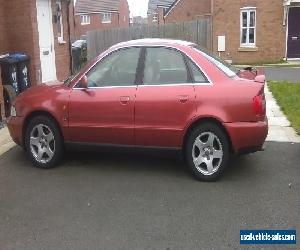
(96, 6)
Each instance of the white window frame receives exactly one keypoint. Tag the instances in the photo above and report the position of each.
(155, 17)
(61, 37)
(247, 10)
(106, 17)
(85, 19)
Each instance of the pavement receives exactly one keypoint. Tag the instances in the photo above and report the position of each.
(279, 126)
(6, 142)
(126, 200)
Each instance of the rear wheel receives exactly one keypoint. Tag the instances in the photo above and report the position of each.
(207, 152)
(44, 143)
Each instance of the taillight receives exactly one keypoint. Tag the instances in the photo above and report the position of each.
(259, 105)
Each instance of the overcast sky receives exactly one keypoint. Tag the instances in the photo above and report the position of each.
(138, 7)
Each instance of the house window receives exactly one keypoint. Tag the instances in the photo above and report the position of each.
(85, 19)
(248, 27)
(155, 17)
(59, 21)
(106, 17)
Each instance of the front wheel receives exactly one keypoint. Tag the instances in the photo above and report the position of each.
(207, 152)
(44, 143)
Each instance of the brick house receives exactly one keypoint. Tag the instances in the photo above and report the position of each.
(250, 31)
(39, 28)
(100, 14)
(157, 10)
(245, 31)
(187, 10)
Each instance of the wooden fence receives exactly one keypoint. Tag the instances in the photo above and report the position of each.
(198, 31)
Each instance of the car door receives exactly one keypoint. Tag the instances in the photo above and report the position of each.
(165, 100)
(104, 112)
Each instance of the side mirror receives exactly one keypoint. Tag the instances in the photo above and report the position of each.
(84, 82)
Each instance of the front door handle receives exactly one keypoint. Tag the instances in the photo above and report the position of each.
(124, 100)
(183, 98)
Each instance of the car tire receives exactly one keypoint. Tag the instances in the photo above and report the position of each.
(207, 151)
(44, 142)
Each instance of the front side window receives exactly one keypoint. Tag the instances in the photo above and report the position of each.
(85, 19)
(248, 27)
(116, 69)
(59, 21)
(106, 17)
(164, 66)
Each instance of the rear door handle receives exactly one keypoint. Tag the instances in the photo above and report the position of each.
(183, 98)
(124, 100)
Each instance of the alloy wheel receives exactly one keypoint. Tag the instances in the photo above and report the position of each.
(207, 153)
(42, 143)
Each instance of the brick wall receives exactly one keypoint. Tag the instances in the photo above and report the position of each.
(3, 40)
(3, 49)
(187, 10)
(2, 113)
(62, 50)
(123, 14)
(270, 33)
(160, 17)
(21, 31)
(21, 34)
(95, 24)
(118, 19)
(72, 22)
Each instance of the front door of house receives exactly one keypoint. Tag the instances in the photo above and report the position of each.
(293, 39)
(46, 41)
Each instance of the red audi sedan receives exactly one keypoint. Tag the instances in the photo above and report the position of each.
(149, 93)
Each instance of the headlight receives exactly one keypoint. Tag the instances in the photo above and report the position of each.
(13, 111)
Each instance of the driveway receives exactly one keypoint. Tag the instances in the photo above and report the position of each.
(283, 74)
(120, 200)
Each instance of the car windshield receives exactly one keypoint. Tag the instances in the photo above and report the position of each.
(225, 67)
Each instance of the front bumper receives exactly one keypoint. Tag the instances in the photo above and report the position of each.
(15, 127)
(247, 136)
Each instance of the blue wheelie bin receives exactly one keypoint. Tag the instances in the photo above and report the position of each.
(15, 71)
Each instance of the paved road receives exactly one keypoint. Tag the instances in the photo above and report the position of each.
(283, 74)
(138, 201)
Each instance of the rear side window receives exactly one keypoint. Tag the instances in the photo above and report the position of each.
(223, 66)
(197, 74)
(164, 66)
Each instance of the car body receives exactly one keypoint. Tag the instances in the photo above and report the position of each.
(165, 90)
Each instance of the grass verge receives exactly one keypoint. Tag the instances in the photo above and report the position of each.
(288, 98)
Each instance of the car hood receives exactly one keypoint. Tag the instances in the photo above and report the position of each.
(42, 90)
(40, 97)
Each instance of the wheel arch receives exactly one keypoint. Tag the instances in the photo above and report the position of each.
(35, 114)
(202, 120)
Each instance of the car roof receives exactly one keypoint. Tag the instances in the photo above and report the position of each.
(154, 42)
